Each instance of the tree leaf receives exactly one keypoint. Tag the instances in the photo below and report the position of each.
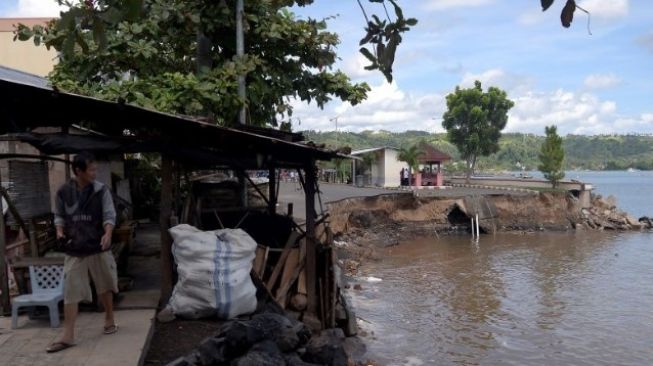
(133, 9)
(398, 11)
(546, 4)
(567, 15)
(368, 54)
(367, 38)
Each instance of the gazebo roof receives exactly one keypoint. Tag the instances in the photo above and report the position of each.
(431, 155)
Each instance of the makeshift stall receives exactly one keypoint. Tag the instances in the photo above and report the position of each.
(304, 262)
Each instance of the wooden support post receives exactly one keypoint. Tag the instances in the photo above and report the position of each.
(311, 244)
(272, 187)
(164, 224)
(33, 245)
(66, 130)
(4, 279)
(258, 190)
(13, 210)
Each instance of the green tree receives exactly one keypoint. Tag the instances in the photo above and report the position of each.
(474, 120)
(552, 156)
(150, 52)
(145, 52)
(411, 156)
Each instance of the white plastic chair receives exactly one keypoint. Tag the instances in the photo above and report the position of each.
(47, 290)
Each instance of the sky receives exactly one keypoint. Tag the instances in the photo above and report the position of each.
(584, 84)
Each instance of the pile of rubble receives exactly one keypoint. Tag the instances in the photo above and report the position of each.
(270, 339)
(604, 215)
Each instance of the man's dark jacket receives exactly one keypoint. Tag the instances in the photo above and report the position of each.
(83, 215)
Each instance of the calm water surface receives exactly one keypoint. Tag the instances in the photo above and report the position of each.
(534, 299)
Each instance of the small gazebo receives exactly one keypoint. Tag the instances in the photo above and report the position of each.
(431, 160)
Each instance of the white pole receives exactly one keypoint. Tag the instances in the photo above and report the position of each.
(478, 233)
(240, 51)
(472, 227)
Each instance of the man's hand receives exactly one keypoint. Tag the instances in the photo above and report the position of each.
(60, 233)
(106, 241)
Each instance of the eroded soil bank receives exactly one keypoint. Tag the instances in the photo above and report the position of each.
(366, 223)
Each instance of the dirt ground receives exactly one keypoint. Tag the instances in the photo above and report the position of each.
(178, 338)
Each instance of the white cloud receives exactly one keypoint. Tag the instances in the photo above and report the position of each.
(389, 108)
(601, 81)
(35, 8)
(354, 66)
(448, 4)
(510, 82)
(643, 123)
(573, 112)
(602, 9)
(386, 108)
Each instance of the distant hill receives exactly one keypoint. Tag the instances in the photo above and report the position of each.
(603, 152)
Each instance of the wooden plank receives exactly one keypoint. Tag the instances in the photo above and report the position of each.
(260, 260)
(288, 270)
(285, 287)
(272, 190)
(37, 261)
(334, 285)
(165, 213)
(282, 260)
(4, 280)
(301, 281)
(311, 245)
(33, 244)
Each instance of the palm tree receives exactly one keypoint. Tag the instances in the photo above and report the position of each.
(411, 157)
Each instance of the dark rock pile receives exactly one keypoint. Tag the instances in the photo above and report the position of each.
(604, 215)
(268, 339)
(646, 222)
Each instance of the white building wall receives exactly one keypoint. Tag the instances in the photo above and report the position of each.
(376, 178)
(393, 167)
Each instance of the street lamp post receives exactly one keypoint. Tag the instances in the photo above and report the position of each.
(336, 120)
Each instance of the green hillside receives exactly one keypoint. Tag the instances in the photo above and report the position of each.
(605, 152)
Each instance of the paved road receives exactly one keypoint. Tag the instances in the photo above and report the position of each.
(292, 192)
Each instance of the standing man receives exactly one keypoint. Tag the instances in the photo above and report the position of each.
(85, 217)
(406, 177)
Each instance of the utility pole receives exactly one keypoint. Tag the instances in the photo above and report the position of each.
(242, 93)
(240, 52)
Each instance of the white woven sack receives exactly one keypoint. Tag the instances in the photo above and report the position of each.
(214, 273)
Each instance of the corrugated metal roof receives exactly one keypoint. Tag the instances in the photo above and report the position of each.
(150, 130)
(372, 149)
(25, 78)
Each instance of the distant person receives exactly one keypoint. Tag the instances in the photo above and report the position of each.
(84, 218)
(406, 177)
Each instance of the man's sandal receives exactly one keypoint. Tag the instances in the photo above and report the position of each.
(110, 329)
(58, 346)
